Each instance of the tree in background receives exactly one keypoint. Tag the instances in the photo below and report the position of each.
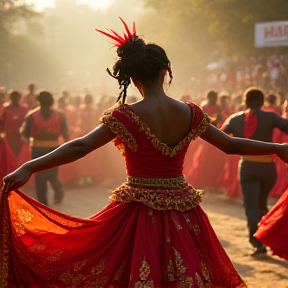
(22, 59)
(194, 30)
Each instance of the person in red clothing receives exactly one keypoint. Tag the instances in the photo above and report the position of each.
(212, 108)
(11, 120)
(30, 98)
(271, 104)
(88, 119)
(45, 125)
(225, 104)
(153, 233)
(199, 174)
(2, 99)
(13, 150)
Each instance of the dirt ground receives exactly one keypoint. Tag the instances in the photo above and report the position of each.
(227, 218)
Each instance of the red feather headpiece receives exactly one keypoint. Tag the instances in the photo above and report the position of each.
(119, 40)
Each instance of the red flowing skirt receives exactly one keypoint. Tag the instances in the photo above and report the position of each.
(273, 229)
(123, 245)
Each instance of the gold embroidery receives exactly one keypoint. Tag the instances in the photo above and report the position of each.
(24, 216)
(118, 278)
(170, 271)
(196, 229)
(5, 228)
(181, 269)
(179, 181)
(37, 247)
(144, 271)
(200, 282)
(187, 221)
(205, 272)
(165, 149)
(150, 213)
(121, 131)
(55, 254)
(76, 278)
(181, 199)
(176, 270)
(144, 274)
(99, 268)
(178, 226)
(79, 265)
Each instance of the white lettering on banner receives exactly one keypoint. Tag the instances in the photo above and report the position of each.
(271, 34)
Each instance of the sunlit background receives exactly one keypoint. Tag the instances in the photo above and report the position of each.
(54, 42)
(95, 4)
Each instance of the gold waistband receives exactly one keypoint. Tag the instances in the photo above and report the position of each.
(258, 158)
(159, 198)
(45, 143)
(157, 182)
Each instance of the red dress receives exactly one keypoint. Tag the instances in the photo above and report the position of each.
(12, 150)
(152, 234)
(273, 231)
(282, 173)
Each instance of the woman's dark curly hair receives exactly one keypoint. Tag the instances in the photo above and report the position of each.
(141, 61)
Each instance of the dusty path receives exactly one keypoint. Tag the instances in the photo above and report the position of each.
(228, 220)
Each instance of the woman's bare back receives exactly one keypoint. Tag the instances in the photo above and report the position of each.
(169, 119)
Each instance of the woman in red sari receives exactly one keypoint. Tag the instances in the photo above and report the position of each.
(153, 233)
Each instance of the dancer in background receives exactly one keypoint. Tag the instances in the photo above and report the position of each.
(272, 229)
(198, 173)
(30, 98)
(212, 108)
(153, 233)
(257, 173)
(13, 150)
(271, 104)
(11, 120)
(2, 99)
(45, 125)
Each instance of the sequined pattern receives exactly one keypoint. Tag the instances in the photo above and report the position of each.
(5, 229)
(159, 198)
(165, 149)
(121, 131)
(158, 182)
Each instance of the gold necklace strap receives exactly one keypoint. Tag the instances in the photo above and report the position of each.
(157, 182)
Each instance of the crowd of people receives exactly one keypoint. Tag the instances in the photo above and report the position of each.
(82, 115)
(237, 72)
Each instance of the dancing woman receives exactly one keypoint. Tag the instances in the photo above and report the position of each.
(153, 233)
(257, 173)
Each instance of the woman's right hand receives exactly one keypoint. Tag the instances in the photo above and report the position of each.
(282, 152)
(16, 179)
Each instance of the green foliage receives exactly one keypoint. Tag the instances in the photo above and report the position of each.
(11, 12)
(228, 24)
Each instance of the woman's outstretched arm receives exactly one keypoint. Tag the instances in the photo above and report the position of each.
(241, 146)
(66, 153)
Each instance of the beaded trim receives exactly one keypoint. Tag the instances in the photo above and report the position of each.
(121, 131)
(5, 229)
(157, 182)
(159, 198)
(164, 148)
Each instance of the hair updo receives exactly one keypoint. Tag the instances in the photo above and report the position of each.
(141, 61)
